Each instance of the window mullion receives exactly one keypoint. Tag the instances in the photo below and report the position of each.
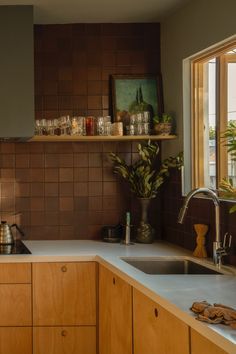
(221, 109)
(198, 126)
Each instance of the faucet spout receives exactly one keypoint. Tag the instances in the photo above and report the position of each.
(217, 243)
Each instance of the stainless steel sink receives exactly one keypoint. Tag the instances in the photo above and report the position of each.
(169, 266)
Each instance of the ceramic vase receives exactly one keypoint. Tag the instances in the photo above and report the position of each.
(145, 232)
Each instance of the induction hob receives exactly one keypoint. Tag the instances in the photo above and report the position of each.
(17, 247)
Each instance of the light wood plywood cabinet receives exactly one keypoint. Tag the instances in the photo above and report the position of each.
(202, 345)
(64, 294)
(64, 340)
(15, 273)
(115, 314)
(15, 340)
(156, 330)
(15, 305)
(15, 308)
(64, 308)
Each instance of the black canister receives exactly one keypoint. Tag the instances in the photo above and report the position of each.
(112, 233)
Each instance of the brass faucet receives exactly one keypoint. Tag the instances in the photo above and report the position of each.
(219, 249)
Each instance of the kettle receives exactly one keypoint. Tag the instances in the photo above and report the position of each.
(6, 237)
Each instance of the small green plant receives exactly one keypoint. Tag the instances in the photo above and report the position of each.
(143, 176)
(164, 118)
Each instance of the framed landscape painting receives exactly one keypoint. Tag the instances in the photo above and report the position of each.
(132, 94)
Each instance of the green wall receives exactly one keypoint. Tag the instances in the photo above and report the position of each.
(198, 25)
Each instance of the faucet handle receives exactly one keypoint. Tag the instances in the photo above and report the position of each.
(227, 241)
(225, 248)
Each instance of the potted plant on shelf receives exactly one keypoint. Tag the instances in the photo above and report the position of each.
(163, 124)
(145, 180)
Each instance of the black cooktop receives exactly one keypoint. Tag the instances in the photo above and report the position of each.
(17, 247)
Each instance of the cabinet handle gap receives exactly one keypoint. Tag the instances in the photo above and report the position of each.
(156, 312)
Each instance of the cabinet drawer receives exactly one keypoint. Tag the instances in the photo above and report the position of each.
(200, 344)
(15, 340)
(15, 305)
(64, 294)
(15, 273)
(156, 330)
(64, 340)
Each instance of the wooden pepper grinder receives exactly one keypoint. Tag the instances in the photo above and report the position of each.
(201, 231)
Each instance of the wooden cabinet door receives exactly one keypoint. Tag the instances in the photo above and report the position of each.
(15, 340)
(64, 340)
(115, 314)
(201, 345)
(15, 305)
(156, 331)
(64, 294)
(11, 273)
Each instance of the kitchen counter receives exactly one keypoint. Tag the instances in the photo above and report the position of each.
(175, 293)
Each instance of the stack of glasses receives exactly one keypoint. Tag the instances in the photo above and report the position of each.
(139, 124)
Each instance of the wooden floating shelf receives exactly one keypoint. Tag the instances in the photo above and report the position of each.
(73, 138)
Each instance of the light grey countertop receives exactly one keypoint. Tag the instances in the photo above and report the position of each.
(176, 293)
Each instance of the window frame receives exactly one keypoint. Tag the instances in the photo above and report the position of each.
(197, 109)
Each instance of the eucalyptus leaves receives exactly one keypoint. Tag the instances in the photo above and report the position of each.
(230, 135)
(227, 188)
(143, 176)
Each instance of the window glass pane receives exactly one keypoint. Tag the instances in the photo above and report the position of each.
(231, 111)
(209, 108)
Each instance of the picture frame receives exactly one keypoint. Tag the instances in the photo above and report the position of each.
(131, 93)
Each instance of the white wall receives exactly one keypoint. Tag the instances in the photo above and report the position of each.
(198, 25)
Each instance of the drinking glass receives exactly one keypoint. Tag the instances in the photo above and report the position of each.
(50, 126)
(100, 126)
(146, 117)
(90, 125)
(77, 126)
(139, 117)
(64, 125)
(107, 125)
(133, 119)
(81, 126)
(38, 127)
(43, 124)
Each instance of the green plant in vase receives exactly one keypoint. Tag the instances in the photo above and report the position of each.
(145, 180)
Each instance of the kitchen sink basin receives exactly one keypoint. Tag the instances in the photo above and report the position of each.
(169, 266)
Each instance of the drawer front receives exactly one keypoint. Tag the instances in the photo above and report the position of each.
(11, 273)
(64, 340)
(15, 305)
(200, 344)
(64, 294)
(156, 330)
(15, 340)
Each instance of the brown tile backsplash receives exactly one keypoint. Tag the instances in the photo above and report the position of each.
(68, 189)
